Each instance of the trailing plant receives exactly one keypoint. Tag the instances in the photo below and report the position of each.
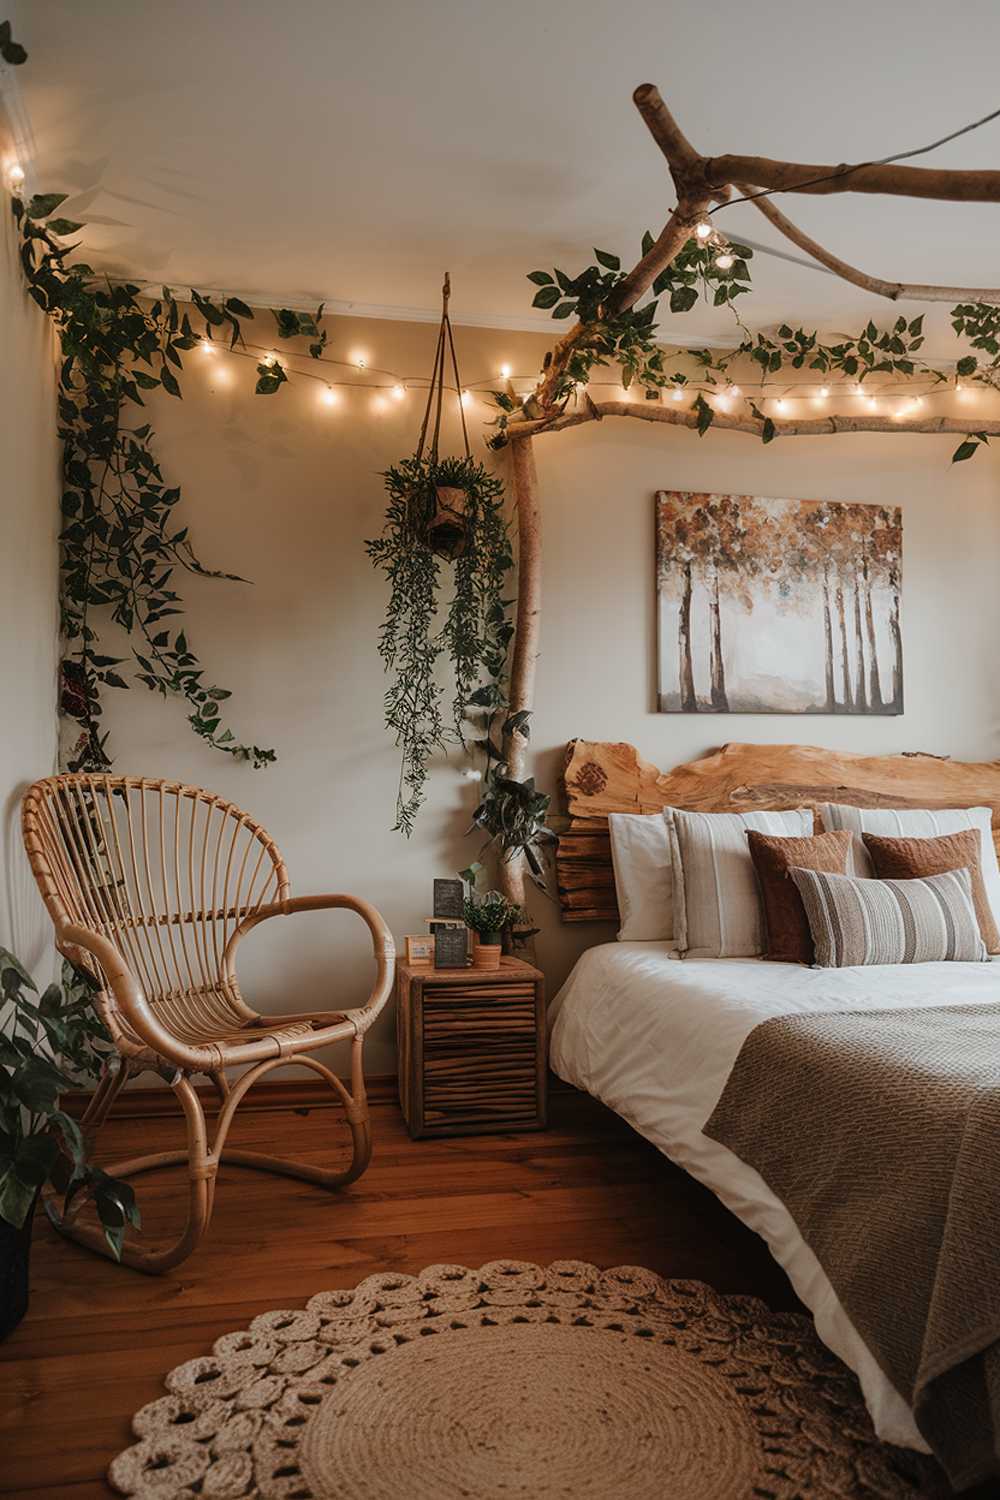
(41, 1037)
(513, 813)
(120, 544)
(476, 630)
(490, 915)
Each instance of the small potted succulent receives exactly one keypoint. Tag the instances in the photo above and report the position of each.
(490, 916)
(40, 1036)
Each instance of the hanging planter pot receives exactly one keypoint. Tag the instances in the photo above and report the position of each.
(447, 531)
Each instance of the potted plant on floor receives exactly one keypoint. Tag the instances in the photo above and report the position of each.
(41, 1036)
(490, 916)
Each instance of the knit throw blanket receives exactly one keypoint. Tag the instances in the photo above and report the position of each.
(880, 1132)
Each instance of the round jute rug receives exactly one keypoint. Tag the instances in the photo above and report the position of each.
(516, 1382)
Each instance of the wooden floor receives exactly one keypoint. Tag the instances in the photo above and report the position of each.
(99, 1338)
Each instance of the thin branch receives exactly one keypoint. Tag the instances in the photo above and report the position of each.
(916, 291)
(953, 186)
(807, 427)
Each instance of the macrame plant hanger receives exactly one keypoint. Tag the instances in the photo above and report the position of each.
(443, 509)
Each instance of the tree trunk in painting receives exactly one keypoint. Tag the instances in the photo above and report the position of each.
(689, 703)
(831, 692)
(861, 693)
(897, 643)
(719, 700)
(845, 665)
(875, 700)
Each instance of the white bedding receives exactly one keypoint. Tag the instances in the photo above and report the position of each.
(655, 1038)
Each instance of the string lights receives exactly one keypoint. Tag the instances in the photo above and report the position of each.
(15, 176)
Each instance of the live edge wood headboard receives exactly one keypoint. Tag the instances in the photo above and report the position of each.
(601, 778)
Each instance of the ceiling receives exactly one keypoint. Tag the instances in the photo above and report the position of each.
(353, 152)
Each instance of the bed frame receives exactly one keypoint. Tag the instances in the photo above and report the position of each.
(600, 778)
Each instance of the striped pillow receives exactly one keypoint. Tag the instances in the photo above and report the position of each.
(717, 910)
(923, 921)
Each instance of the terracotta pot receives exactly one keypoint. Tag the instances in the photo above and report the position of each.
(486, 955)
(15, 1252)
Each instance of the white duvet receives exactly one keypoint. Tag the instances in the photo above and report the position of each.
(655, 1037)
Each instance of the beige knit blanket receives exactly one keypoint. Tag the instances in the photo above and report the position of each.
(880, 1132)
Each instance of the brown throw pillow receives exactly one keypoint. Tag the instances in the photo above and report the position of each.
(786, 925)
(911, 858)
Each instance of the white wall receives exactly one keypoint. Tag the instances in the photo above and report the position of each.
(285, 490)
(29, 515)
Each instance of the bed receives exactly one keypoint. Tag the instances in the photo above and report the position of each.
(656, 1038)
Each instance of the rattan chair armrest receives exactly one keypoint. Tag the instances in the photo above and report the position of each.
(129, 996)
(383, 946)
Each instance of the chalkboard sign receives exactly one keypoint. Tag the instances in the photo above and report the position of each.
(451, 948)
(449, 898)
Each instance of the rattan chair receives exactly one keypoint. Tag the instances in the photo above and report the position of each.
(151, 885)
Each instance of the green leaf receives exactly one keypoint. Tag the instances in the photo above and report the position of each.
(16, 1199)
(43, 204)
(682, 299)
(964, 450)
(234, 304)
(706, 414)
(169, 382)
(967, 365)
(564, 310)
(548, 296)
(607, 260)
(540, 278)
(647, 242)
(62, 227)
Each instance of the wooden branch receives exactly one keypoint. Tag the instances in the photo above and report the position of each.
(649, 411)
(524, 660)
(917, 291)
(945, 184)
(672, 238)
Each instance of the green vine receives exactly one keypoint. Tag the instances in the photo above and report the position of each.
(628, 338)
(476, 630)
(120, 545)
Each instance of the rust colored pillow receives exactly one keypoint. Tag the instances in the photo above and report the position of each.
(908, 859)
(786, 925)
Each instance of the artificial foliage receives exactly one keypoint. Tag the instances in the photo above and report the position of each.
(439, 608)
(49, 1043)
(512, 813)
(121, 547)
(627, 338)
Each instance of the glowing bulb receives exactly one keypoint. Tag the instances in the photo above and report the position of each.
(15, 175)
(359, 360)
(781, 405)
(735, 391)
(399, 392)
(722, 402)
(917, 402)
(505, 372)
(472, 775)
(963, 391)
(871, 403)
(206, 346)
(626, 394)
(677, 394)
(329, 396)
(725, 261)
(466, 398)
(824, 392)
(703, 230)
(269, 358)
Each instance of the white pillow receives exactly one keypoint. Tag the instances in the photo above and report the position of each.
(916, 823)
(717, 906)
(640, 856)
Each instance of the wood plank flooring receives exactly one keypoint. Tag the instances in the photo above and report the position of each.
(99, 1338)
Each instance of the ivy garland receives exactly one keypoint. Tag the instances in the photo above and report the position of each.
(476, 631)
(629, 340)
(120, 547)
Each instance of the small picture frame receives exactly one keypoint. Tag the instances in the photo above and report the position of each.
(420, 950)
(449, 898)
(451, 948)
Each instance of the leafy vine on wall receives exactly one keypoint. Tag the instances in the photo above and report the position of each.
(120, 545)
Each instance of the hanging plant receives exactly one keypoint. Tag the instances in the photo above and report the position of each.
(444, 522)
(120, 547)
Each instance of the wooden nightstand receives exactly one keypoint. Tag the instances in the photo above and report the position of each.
(471, 1048)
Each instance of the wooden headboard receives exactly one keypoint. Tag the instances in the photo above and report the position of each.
(601, 778)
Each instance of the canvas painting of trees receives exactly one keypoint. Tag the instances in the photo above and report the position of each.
(778, 606)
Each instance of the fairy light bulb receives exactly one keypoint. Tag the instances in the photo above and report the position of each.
(824, 392)
(677, 394)
(722, 401)
(703, 230)
(781, 405)
(466, 398)
(399, 392)
(916, 403)
(329, 396)
(359, 360)
(505, 372)
(15, 175)
(735, 392)
(725, 261)
(206, 346)
(270, 358)
(871, 403)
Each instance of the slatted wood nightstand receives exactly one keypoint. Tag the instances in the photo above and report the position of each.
(471, 1048)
